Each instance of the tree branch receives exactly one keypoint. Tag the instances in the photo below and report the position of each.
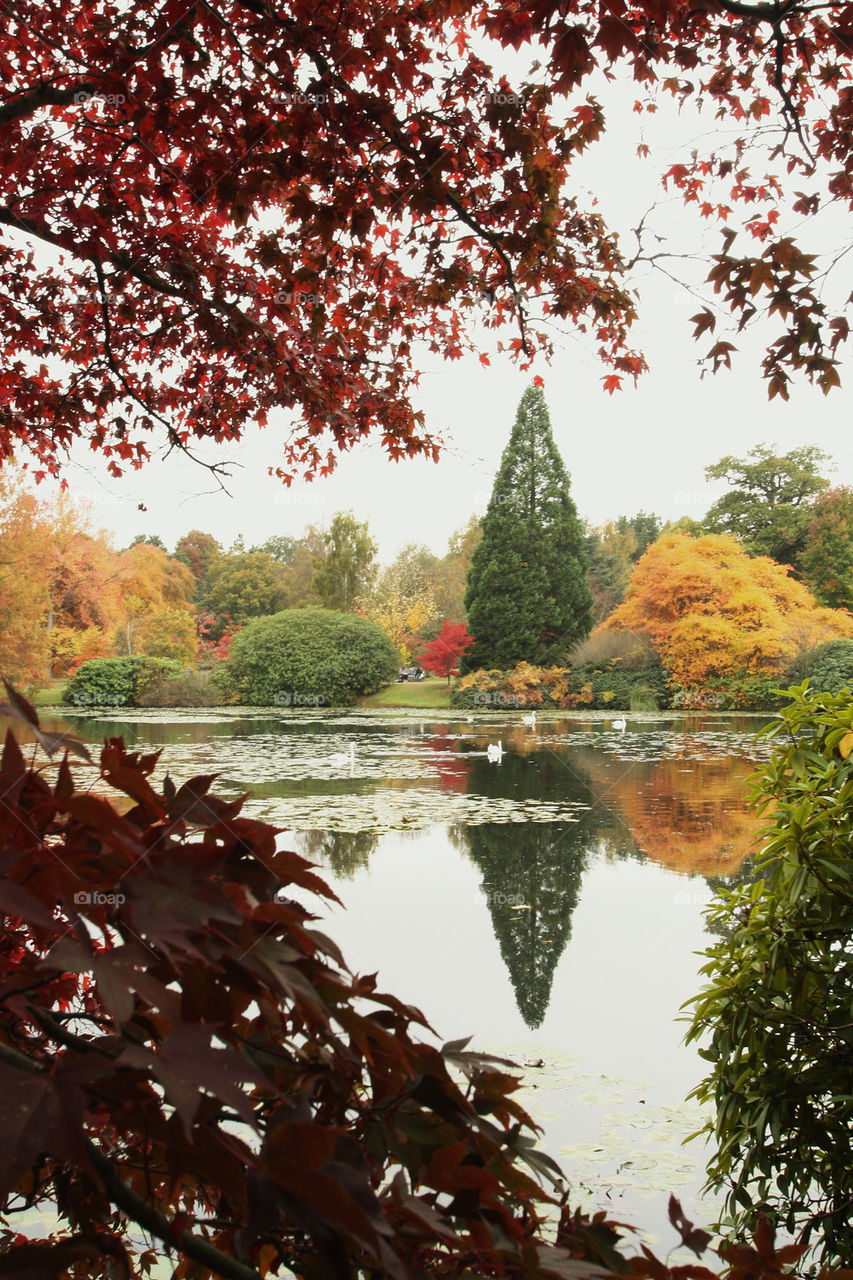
(44, 95)
(156, 1224)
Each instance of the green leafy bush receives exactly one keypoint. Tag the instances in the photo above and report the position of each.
(310, 657)
(828, 667)
(775, 1020)
(735, 692)
(118, 682)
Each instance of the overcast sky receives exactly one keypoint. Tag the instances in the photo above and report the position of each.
(643, 448)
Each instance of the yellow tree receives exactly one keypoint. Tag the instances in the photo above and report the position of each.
(24, 580)
(712, 611)
(83, 586)
(154, 586)
(449, 576)
(403, 602)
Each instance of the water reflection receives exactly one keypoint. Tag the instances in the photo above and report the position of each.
(541, 902)
(344, 852)
(532, 872)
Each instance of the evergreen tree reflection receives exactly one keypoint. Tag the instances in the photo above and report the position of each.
(532, 871)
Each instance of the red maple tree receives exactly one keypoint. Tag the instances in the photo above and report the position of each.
(215, 212)
(441, 656)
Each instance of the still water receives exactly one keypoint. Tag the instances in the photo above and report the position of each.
(549, 904)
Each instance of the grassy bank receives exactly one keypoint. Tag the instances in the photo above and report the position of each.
(50, 695)
(433, 692)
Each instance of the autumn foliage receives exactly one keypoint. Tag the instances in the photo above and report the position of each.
(218, 214)
(67, 596)
(187, 1064)
(441, 656)
(711, 611)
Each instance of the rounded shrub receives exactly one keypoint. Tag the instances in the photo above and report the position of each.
(310, 657)
(117, 682)
(829, 667)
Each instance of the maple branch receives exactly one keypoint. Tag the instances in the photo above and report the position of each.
(143, 1214)
(761, 12)
(398, 138)
(789, 110)
(156, 1224)
(44, 95)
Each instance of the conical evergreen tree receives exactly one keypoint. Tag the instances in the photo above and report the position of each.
(527, 598)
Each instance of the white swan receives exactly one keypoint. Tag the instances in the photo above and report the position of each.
(341, 758)
(530, 720)
(495, 752)
(620, 724)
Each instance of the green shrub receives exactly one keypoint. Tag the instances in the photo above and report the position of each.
(117, 682)
(190, 689)
(828, 667)
(310, 657)
(739, 692)
(774, 1023)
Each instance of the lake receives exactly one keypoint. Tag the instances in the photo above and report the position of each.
(548, 904)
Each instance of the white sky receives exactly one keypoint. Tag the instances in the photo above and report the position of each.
(643, 448)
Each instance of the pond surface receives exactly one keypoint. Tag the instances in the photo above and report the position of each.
(549, 904)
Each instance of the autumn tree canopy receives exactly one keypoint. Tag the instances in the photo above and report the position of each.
(713, 611)
(212, 213)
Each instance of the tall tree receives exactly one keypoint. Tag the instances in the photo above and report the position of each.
(610, 551)
(826, 564)
(83, 586)
(769, 505)
(25, 572)
(198, 550)
(346, 567)
(153, 585)
(645, 526)
(527, 598)
(402, 599)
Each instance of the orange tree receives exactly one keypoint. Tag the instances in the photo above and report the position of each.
(712, 611)
(187, 1065)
